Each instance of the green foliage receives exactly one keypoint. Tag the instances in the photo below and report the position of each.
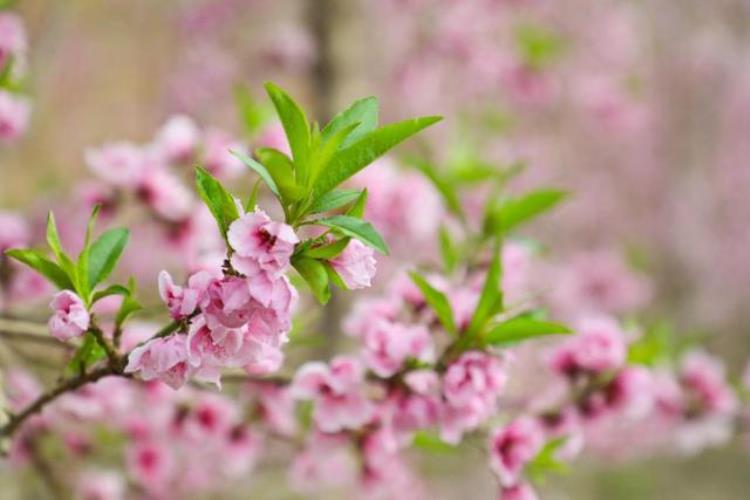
(129, 305)
(656, 346)
(437, 301)
(502, 217)
(217, 199)
(363, 114)
(448, 250)
(41, 264)
(334, 199)
(546, 461)
(251, 113)
(315, 275)
(259, 169)
(328, 251)
(356, 228)
(430, 442)
(86, 355)
(353, 158)
(104, 253)
(297, 130)
(522, 328)
(491, 298)
(538, 46)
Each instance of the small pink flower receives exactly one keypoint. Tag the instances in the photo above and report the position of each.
(120, 164)
(705, 380)
(165, 359)
(387, 346)
(337, 393)
(630, 393)
(520, 491)
(14, 116)
(512, 447)
(180, 301)
(70, 318)
(270, 243)
(356, 265)
(151, 465)
(474, 378)
(178, 139)
(165, 194)
(599, 347)
(212, 348)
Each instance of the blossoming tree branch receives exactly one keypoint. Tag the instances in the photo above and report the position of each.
(192, 394)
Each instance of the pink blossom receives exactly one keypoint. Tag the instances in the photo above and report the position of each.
(217, 154)
(475, 378)
(151, 465)
(598, 347)
(520, 491)
(512, 447)
(180, 301)
(178, 139)
(277, 408)
(704, 378)
(120, 163)
(630, 392)
(229, 302)
(165, 359)
(165, 194)
(210, 349)
(256, 236)
(336, 391)
(387, 346)
(324, 462)
(14, 116)
(356, 265)
(70, 318)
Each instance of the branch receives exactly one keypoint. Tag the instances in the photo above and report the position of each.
(43, 400)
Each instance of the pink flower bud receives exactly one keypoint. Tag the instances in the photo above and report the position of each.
(356, 265)
(70, 318)
(14, 116)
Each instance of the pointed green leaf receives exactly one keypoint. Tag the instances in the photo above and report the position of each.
(280, 167)
(109, 291)
(519, 329)
(334, 199)
(356, 228)
(86, 355)
(41, 264)
(448, 250)
(328, 251)
(437, 301)
(368, 148)
(217, 199)
(259, 169)
(490, 301)
(297, 129)
(104, 254)
(363, 113)
(53, 240)
(520, 210)
(358, 209)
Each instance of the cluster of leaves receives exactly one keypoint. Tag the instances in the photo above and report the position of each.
(84, 275)
(502, 215)
(306, 183)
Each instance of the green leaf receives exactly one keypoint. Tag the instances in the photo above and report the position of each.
(326, 150)
(334, 199)
(316, 276)
(350, 160)
(281, 169)
(217, 199)
(546, 460)
(104, 254)
(431, 442)
(53, 240)
(259, 169)
(128, 307)
(329, 251)
(334, 277)
(109, 291)
(363, 113)
(41, 264)
(297, 129)
(519, 329)
(448, 250)
(437, 301)
(252, 200)
(520, 210)
(491, 298)
(251, 113)
(358, 209)
(356, 228)
(86, 355)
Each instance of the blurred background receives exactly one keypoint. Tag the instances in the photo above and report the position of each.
(640, 108)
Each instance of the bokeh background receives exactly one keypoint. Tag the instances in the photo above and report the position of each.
(640, 108)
